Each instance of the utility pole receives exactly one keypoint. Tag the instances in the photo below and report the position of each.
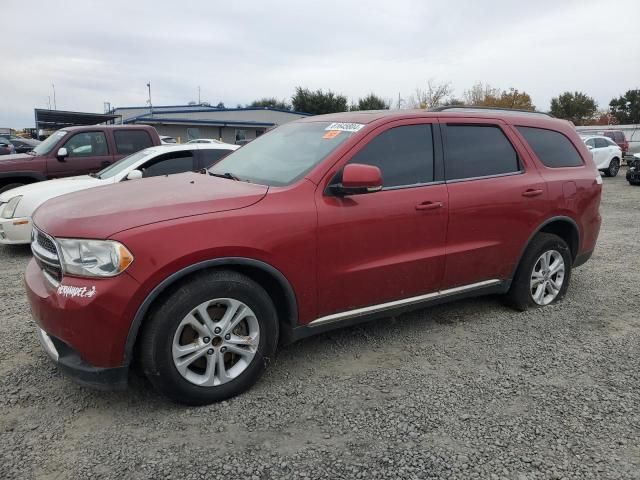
(55, 107)
(150, 104)
(49, 101)
(199, 95)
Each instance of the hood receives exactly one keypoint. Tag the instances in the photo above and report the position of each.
(104, 211)
(51, 188)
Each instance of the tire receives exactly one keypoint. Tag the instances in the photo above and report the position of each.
(613, 169)
(166, 336)
(10, 186)
(520, 296)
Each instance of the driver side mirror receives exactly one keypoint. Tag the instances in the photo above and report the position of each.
(134, 175)
(358, 179)
(62, 154)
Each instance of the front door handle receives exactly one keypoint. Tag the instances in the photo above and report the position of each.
(429, 205)
(532, 192)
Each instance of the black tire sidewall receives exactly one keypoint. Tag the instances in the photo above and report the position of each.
(158, 359)
(520, 293)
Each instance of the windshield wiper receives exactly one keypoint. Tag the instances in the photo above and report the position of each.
(228, 175)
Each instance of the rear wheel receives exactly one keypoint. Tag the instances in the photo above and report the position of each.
(614, 168)
(10, 186)
(211, 339)
(543, 275)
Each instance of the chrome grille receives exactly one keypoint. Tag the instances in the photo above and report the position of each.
(45, 252)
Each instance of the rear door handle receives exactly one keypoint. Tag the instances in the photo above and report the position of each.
(429, 205)
(532, 192)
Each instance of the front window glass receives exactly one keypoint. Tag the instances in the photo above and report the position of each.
(47, 145)
(284, 154)
(124, 164)
(87, 144)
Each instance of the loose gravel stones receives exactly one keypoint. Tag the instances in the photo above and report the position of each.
(465, 390)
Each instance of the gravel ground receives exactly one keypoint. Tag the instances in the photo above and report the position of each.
(465, 390)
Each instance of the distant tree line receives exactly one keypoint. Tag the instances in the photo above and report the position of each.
(577, 107)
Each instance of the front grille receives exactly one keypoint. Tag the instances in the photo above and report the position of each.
(46, 254)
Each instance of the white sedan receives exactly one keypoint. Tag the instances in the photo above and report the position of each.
(204, 140)
(17, 205)
(606, 154)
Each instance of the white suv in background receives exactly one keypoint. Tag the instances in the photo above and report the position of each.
(606, 154)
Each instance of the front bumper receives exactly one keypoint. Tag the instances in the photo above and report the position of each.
(87, 322)
(15, 231)
(80, 371)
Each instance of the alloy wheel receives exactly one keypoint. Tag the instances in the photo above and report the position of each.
(547, 277)
(215, 342)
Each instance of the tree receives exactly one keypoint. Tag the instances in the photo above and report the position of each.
(484, 95)
(627, 107)
(270, 102)
(220, 105)
(435, 95)
(604, 118)
(479, 94)
(318, 102)
(577, 107)
(371, 102)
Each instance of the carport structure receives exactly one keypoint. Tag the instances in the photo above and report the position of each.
(57, 119)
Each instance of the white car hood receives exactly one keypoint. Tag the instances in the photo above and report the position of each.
(35, 194)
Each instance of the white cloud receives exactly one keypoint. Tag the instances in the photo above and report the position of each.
(238, 51)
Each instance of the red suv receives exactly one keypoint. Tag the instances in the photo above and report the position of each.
(320, 223)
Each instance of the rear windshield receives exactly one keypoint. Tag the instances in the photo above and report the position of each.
(285, 154)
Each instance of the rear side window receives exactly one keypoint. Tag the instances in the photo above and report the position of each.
(404, 155)
(169, 163)
(601, 143)
(211, 156)
(478, 151)
(131, 141)
(552, 148)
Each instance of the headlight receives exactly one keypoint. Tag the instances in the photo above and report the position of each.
(10, 207)
(94, 258)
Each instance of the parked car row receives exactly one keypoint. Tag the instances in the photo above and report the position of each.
(319, 223)
(18, 204)
(12, 144)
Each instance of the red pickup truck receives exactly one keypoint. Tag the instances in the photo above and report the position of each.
(74, 151)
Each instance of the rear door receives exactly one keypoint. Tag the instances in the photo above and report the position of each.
(496, 198)
(387, 245)
(87, 152)
(128, 141)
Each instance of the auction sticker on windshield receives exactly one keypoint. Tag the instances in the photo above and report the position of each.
(345, 127)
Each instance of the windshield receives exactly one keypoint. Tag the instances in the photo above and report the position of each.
(121, 165)
(46, 146)
(283, 155)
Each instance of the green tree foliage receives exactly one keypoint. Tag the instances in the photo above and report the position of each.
(270, 102)
(371, 102)
(626, 108)
(576, 107)
(318, 102)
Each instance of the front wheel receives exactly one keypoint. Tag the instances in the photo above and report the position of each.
(543, 275)
(614, 168)
(211, 339)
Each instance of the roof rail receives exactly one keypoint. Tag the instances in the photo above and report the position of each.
(472, 108)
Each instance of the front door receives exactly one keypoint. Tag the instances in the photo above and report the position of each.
(87, 152)
(387, 245)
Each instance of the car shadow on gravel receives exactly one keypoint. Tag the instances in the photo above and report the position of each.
(19, 251)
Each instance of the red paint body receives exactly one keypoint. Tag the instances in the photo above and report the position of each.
(337, 253)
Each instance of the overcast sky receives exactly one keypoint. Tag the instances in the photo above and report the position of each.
(106, 51)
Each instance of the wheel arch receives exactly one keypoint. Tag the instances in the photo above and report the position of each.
(563, 226)
(25, 177)
(269, 277)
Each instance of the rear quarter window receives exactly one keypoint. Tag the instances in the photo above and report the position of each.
(552, 148)
(131, 141)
